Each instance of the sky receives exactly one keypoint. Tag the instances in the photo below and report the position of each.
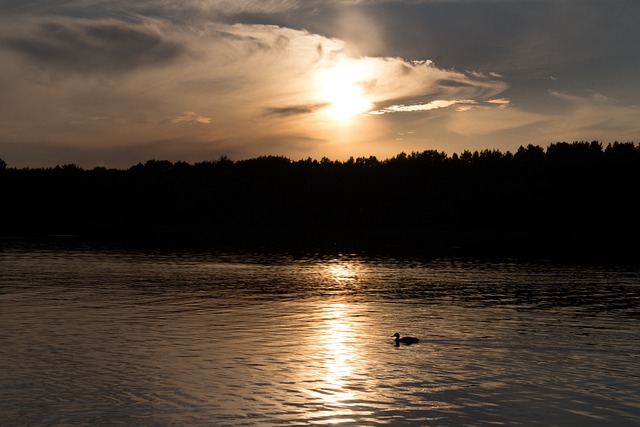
(116, 82)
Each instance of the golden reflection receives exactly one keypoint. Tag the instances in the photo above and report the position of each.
(343, 272)
(338, 334)
(338, 346)
(339, 356)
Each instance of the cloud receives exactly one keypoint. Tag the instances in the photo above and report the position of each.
(596, 116)
(189, 118)
(90, 46)
(294, 110)
(501, 124)
(421, 107)
(173, 76)
(500, 102)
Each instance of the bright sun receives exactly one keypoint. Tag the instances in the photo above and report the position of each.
(342, 90)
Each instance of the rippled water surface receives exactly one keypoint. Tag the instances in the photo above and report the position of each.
(127, 338)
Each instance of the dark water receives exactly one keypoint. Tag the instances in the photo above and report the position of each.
(123, 338)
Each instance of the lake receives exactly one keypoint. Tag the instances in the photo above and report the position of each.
(120, 337)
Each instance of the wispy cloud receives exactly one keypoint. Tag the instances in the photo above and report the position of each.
(433, 105)
(189, 118)
(90, 46)
(593, 115)
(294, 110)
(501, 102)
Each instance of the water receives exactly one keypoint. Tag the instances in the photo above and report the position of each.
(93, 338)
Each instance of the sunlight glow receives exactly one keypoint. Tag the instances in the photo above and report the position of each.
(343, 89)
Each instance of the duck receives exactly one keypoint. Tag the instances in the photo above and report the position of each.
(404, 340)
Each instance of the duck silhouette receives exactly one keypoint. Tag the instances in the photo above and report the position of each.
(404, 340)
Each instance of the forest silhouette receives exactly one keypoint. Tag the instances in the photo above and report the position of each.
(569, 198)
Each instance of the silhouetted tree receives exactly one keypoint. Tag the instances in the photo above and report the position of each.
(568, 192)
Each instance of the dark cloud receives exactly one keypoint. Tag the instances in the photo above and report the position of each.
(295, 110)
(85, 46)
(480, 35)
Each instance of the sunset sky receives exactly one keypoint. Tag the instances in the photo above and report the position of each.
(117, 82)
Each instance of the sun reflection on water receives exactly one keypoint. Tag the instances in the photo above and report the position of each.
(337, 338)
(344, 274)
(337, 346)
(338, 359)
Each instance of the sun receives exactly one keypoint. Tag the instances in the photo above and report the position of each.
(342, 89)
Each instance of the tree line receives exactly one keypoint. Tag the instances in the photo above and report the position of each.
(570, 196)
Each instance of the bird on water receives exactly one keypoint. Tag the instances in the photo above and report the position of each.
(404, 340)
